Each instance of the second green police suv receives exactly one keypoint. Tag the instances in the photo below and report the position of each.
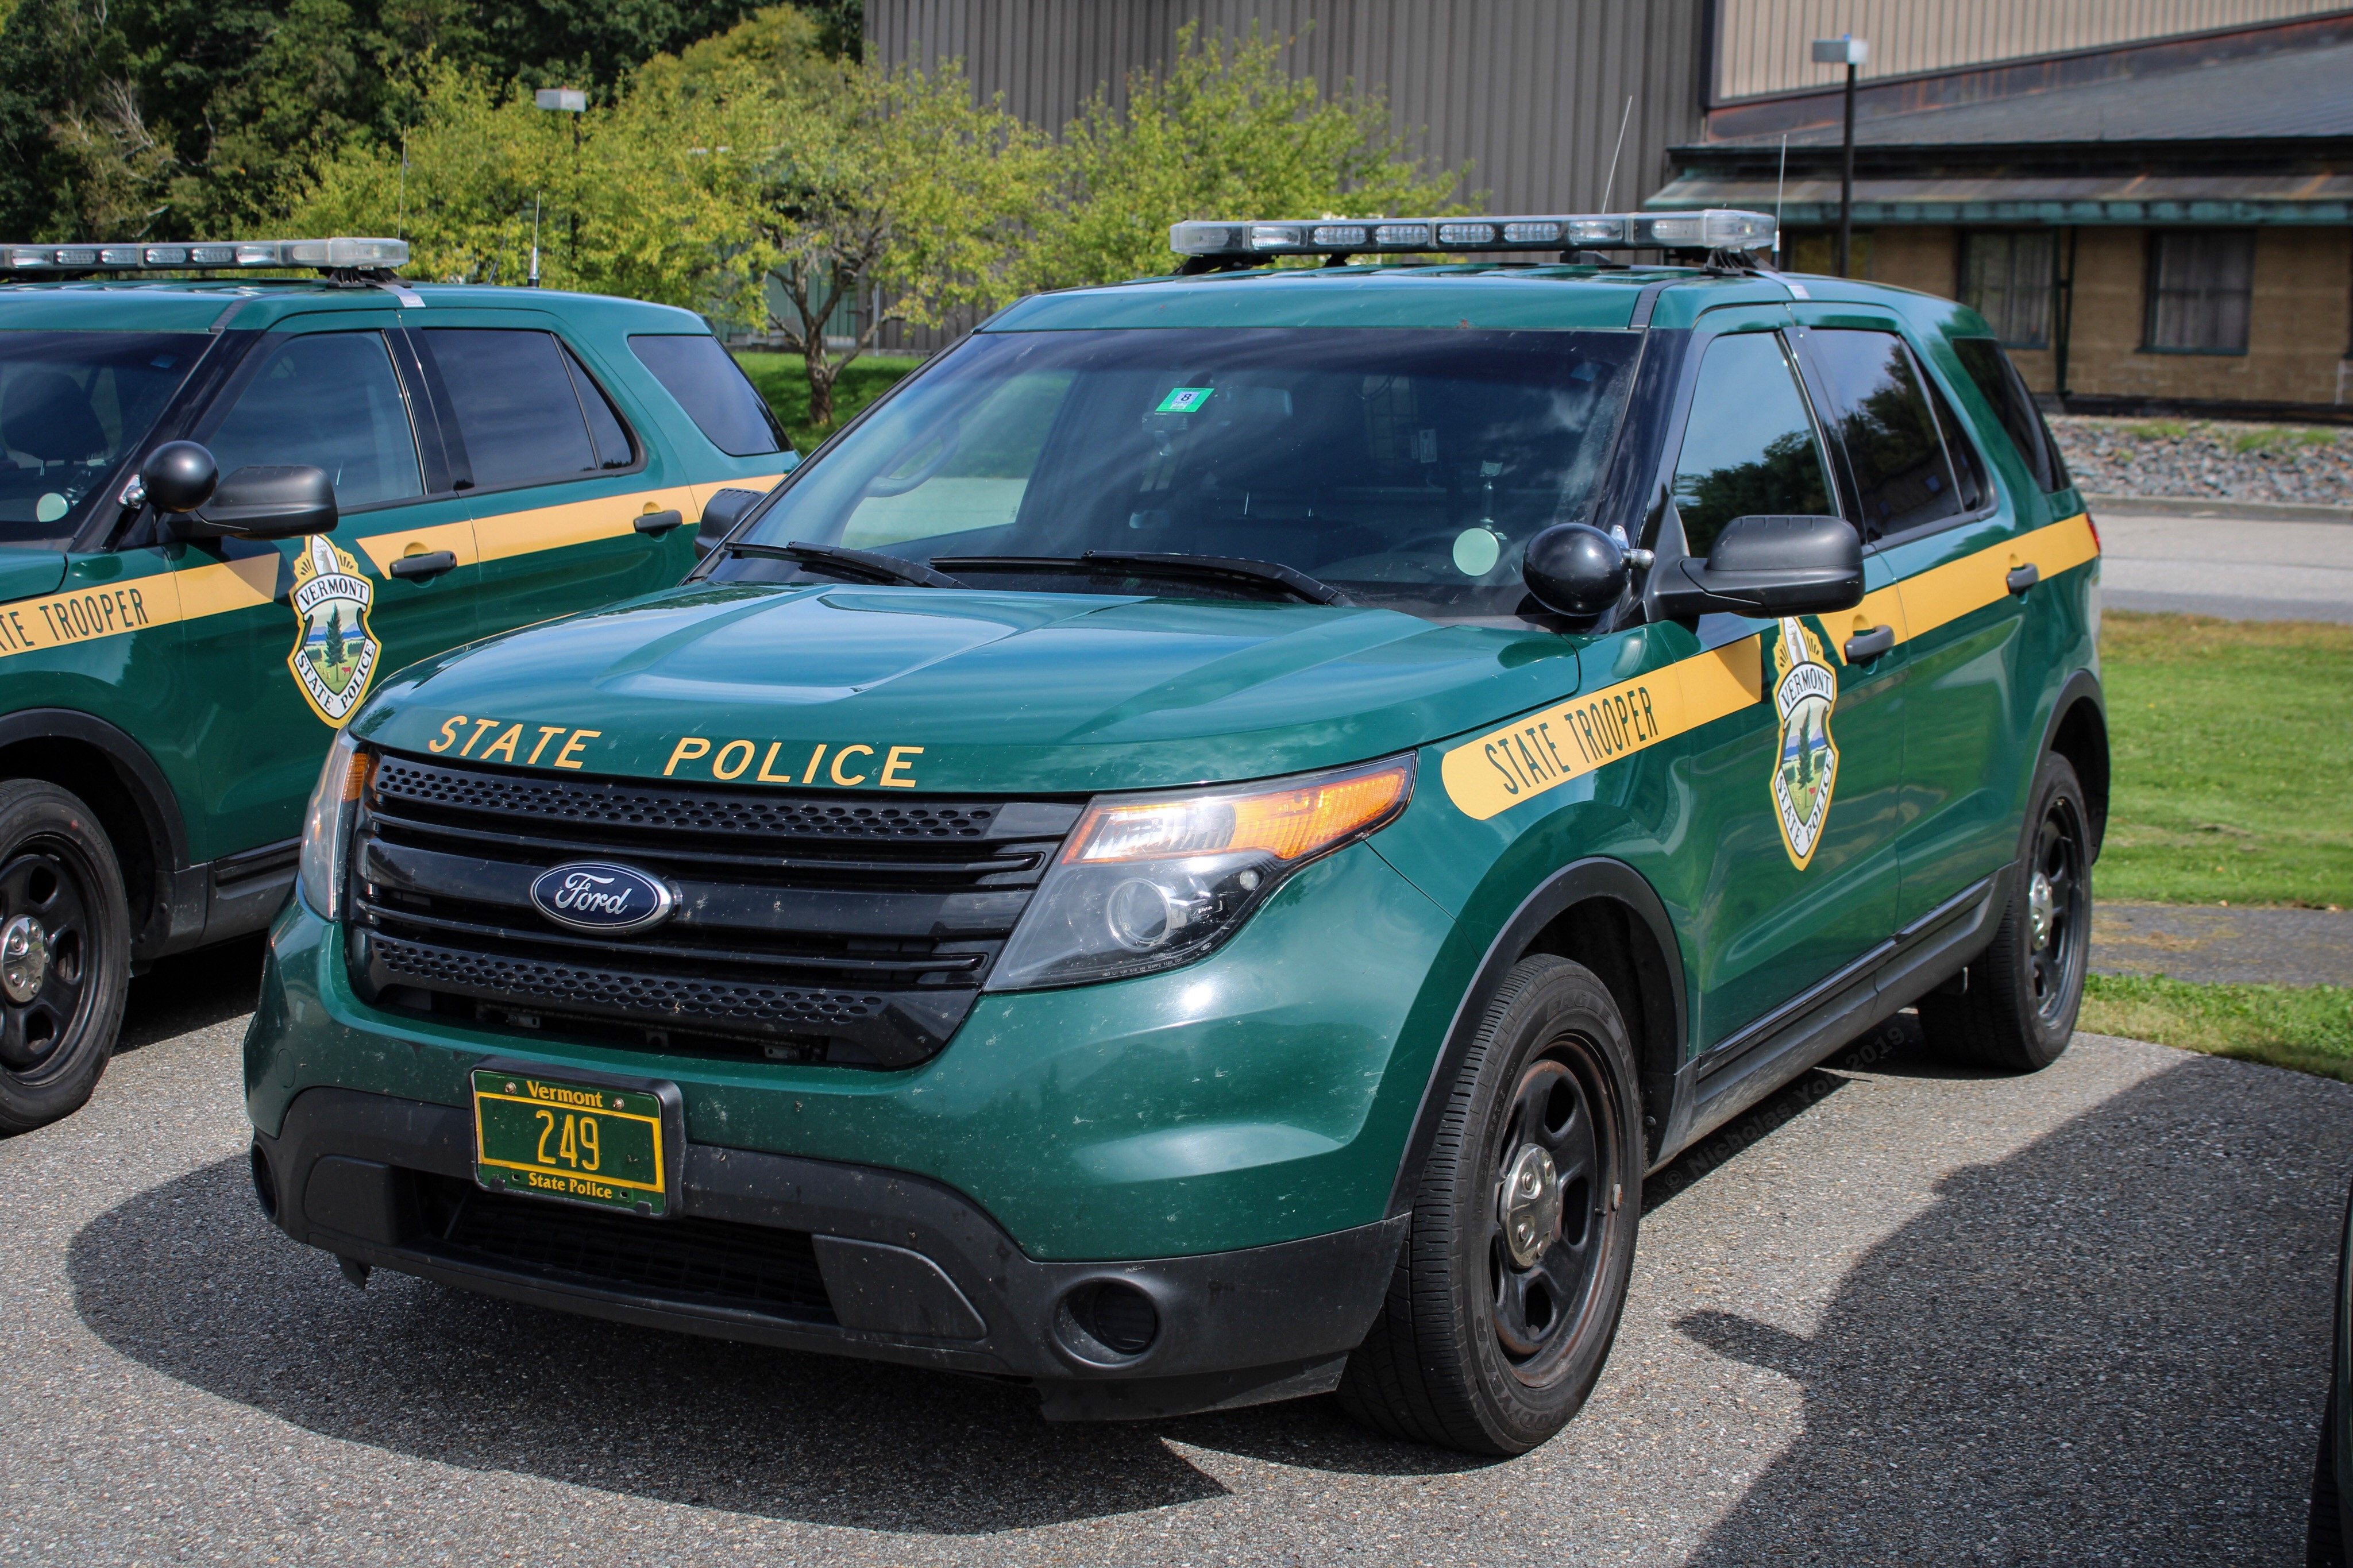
(1201, 851)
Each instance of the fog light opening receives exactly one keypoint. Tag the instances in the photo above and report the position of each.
(1115, 1315)
(265, 1185)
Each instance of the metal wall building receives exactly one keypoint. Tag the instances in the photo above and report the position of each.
(1529, 92)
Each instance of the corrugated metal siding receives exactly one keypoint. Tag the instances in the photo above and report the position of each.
(1528, 91)
(1764, 43)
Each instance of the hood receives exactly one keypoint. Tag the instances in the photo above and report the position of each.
(870, 687)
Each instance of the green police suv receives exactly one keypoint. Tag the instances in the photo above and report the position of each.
(1199, 851)
(229, 507)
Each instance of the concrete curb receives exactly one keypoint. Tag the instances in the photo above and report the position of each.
(2230, 510)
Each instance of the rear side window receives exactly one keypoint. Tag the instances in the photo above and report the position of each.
(605, 431)
(2003, 387)
(1750, 446)
(1879, 408)
(331, 401)
(518, 408)
(714, 392)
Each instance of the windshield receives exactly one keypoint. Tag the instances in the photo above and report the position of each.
(70, 402)
(1404, 468)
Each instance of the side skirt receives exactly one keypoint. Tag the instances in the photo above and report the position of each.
(1715, 1087)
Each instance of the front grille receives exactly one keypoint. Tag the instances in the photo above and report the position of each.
(771, 1271)
(844, 928)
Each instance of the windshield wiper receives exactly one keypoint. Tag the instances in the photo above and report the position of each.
(854, 565)
(1223, 569)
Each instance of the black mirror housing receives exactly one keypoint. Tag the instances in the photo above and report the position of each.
(721, 513)
(1575, 570)
(260, 501)
(178, 477)
(1765, 566)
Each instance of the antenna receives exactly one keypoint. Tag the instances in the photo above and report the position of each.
(1778, 181)
(1615, 150)
(400, 229)
(535, 239)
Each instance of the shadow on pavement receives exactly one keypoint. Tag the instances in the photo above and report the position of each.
(189, 1280)
(2111, 1346)
(192, 991)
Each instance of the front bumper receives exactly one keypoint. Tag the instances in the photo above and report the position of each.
(816, 1255)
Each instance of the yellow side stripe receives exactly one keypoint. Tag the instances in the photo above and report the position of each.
(223, 587)
(1543, 751)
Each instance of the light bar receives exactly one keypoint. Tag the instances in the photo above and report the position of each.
(1716, 228)
(328, 255)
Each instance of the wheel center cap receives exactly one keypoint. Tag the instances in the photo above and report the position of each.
(24, 959)
(1529, 1204)
(2041, 905)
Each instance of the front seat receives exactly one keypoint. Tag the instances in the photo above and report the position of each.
(46, 416)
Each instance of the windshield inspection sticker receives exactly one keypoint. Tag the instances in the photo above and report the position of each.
(1185, 400)
(1805, 769)
(334, 651)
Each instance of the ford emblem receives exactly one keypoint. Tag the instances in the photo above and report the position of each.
(593, 895)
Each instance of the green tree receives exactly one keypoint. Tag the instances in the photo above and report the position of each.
(1223, 133)
(333, 652)
(895, 189)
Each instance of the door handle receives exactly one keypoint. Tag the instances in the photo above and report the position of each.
(658, 521)
(432, 563)
(2022, 578)
(1864, 646)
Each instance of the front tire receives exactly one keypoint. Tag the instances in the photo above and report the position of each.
(2017, 1010)
(65, 954)
(2324, 1524)
(1507, 1294)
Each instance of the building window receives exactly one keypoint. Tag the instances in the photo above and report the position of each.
(2006, 279)
(2199, 281)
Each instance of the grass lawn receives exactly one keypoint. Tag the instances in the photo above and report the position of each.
(2307, 1027)
(784, 384)
(2234, 745)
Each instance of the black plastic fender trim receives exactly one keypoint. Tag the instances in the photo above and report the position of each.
(1596, 877)
(175, 913)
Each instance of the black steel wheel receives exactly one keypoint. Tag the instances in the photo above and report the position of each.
(2016, 1010)
(1507, 1294)
(65, 954)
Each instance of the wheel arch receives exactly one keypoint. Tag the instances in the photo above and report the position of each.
(124, 787)
(2078, 732)
(1601, 913)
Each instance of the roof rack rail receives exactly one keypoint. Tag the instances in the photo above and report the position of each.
(1713, 230)
(337, 256)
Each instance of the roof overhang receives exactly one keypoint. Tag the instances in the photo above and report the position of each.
(2138, 199)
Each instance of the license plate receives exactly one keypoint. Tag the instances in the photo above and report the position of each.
(583, 1143)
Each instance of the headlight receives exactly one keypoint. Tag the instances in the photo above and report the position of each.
(1151, 881)
(327, 825)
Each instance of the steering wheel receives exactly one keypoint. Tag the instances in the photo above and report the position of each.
(949, 441)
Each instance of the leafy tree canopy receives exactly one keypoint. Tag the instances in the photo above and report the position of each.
(185, 119)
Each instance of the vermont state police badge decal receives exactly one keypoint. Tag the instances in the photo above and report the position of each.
(336, 653)
(1804, 692)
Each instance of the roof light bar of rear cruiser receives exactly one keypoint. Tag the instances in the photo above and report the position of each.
(1716, 228)
(337, 255)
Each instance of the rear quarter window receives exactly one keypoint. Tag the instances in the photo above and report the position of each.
(714, 392)
(1998, 379)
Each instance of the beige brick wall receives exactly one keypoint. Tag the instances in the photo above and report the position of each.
(2298, 333)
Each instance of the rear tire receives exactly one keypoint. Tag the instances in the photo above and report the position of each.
(1507, 1294)
(2323, 1527)
(2018, 1010)
(65, 954)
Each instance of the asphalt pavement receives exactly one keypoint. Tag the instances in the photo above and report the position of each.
(1897, 1315)
(2243, 567)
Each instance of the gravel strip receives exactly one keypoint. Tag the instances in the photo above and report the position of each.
(2207, 459)
(1896, 1315)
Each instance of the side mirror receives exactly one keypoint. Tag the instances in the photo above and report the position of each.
(1575, 570)
(721, 513)
(179, 475)
(267, 502)
(1764, 566)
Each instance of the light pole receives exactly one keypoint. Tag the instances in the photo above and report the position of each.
(573, 101)
(1849, 51)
